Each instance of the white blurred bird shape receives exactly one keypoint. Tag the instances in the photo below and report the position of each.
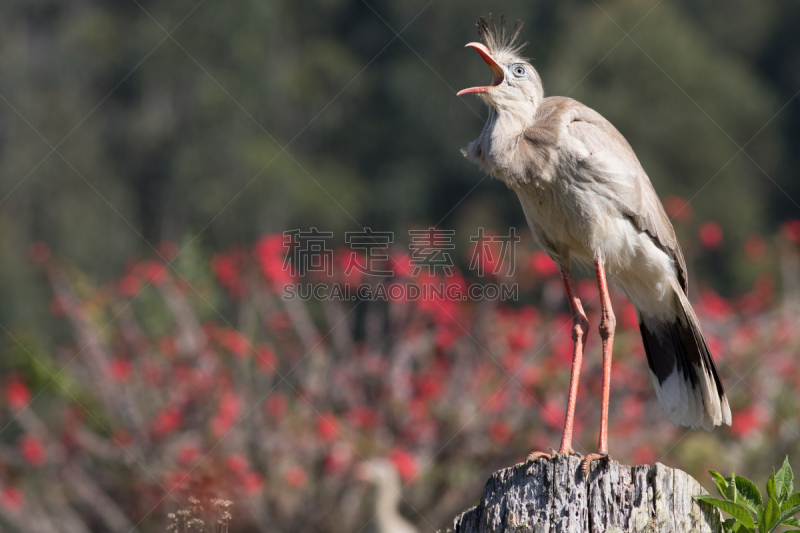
(382, 474)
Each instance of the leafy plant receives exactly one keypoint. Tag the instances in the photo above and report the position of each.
(742, 500)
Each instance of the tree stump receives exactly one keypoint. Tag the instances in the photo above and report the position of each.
(554, 496)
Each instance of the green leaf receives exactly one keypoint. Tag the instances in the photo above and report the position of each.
(728, 524)
(732, 492)
(788, 513)
(772, 514)
(785, 479)
(747, 493)
(793, 521)
(792, 501)
(721, 482)
(771, 493)
(739, 512)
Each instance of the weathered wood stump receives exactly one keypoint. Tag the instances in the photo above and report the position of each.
(554, 496)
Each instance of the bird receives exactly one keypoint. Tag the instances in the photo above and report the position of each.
(586, 197)
(382, 474)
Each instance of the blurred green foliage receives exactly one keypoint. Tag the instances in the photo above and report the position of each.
(219, 121)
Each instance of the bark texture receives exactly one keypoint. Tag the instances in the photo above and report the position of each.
(553, 496)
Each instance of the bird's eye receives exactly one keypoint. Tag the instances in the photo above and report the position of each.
(519, 71)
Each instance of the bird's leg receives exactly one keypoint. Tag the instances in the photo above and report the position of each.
(607, 326)
(580, 328)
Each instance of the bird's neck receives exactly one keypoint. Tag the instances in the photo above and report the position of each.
(510, 120)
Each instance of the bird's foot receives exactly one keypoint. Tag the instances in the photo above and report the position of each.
(534, 456)
(586, 464)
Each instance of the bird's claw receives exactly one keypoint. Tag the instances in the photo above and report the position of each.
(534, 456)
(586, 464)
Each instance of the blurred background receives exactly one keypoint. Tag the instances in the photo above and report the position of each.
(152, 154)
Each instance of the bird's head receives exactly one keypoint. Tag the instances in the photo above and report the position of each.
(516, 83)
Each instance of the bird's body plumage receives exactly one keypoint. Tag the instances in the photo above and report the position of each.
(586, 197)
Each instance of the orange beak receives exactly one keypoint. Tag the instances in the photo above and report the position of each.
(497, 70)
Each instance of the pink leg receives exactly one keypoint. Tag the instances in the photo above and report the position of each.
(607, 326)
(580, 328)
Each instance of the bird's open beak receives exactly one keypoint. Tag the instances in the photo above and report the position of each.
(497, 70)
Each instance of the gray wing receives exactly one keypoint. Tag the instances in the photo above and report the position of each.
(614, 164)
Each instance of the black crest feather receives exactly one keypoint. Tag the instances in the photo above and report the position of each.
(495, 38)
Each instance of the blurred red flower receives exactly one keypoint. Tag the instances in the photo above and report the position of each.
(276, 405)
(500, 432)
(39, 252)
(32, 450)
(167, 421)
(18, 395)
(57, 306)
(791, 230)
(678, 208)
(237, 463)
(154, 272)
(542, 265)
(129, 285)
(12, 498)
(714, 305)
(266, 359)
(710, 234)
(404, 462)
(270, 253)
(327, 427)
(235, 342)
(746, 420)
(189, 453)
(120, 370)
(754, 247)
(252, 482)
(296, 477)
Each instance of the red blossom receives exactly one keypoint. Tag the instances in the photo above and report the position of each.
(710, 234)
(754, 248)
(270, 253)
(168, 250)
(121, 438)
(12, 498)
(404, 462)
(327, 427)
(236, 463)
(57, 306)
(276, 405)
(154, 272)
(628, 316)
(714, 305)
(235, 342)
(39, 252)
(266, 359)
(129, 285)
(167, 421)
(362, 416)
(32, 450)
(542, 265)
(747, 420)
(18, 395)
(338, 459)
(189, 453)
(121, 370)
(644, 455)
(500, 432)
(791, 230)
(226, 269)
(678, 208)
(296, 477)
(168, 346)
(252, 482)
